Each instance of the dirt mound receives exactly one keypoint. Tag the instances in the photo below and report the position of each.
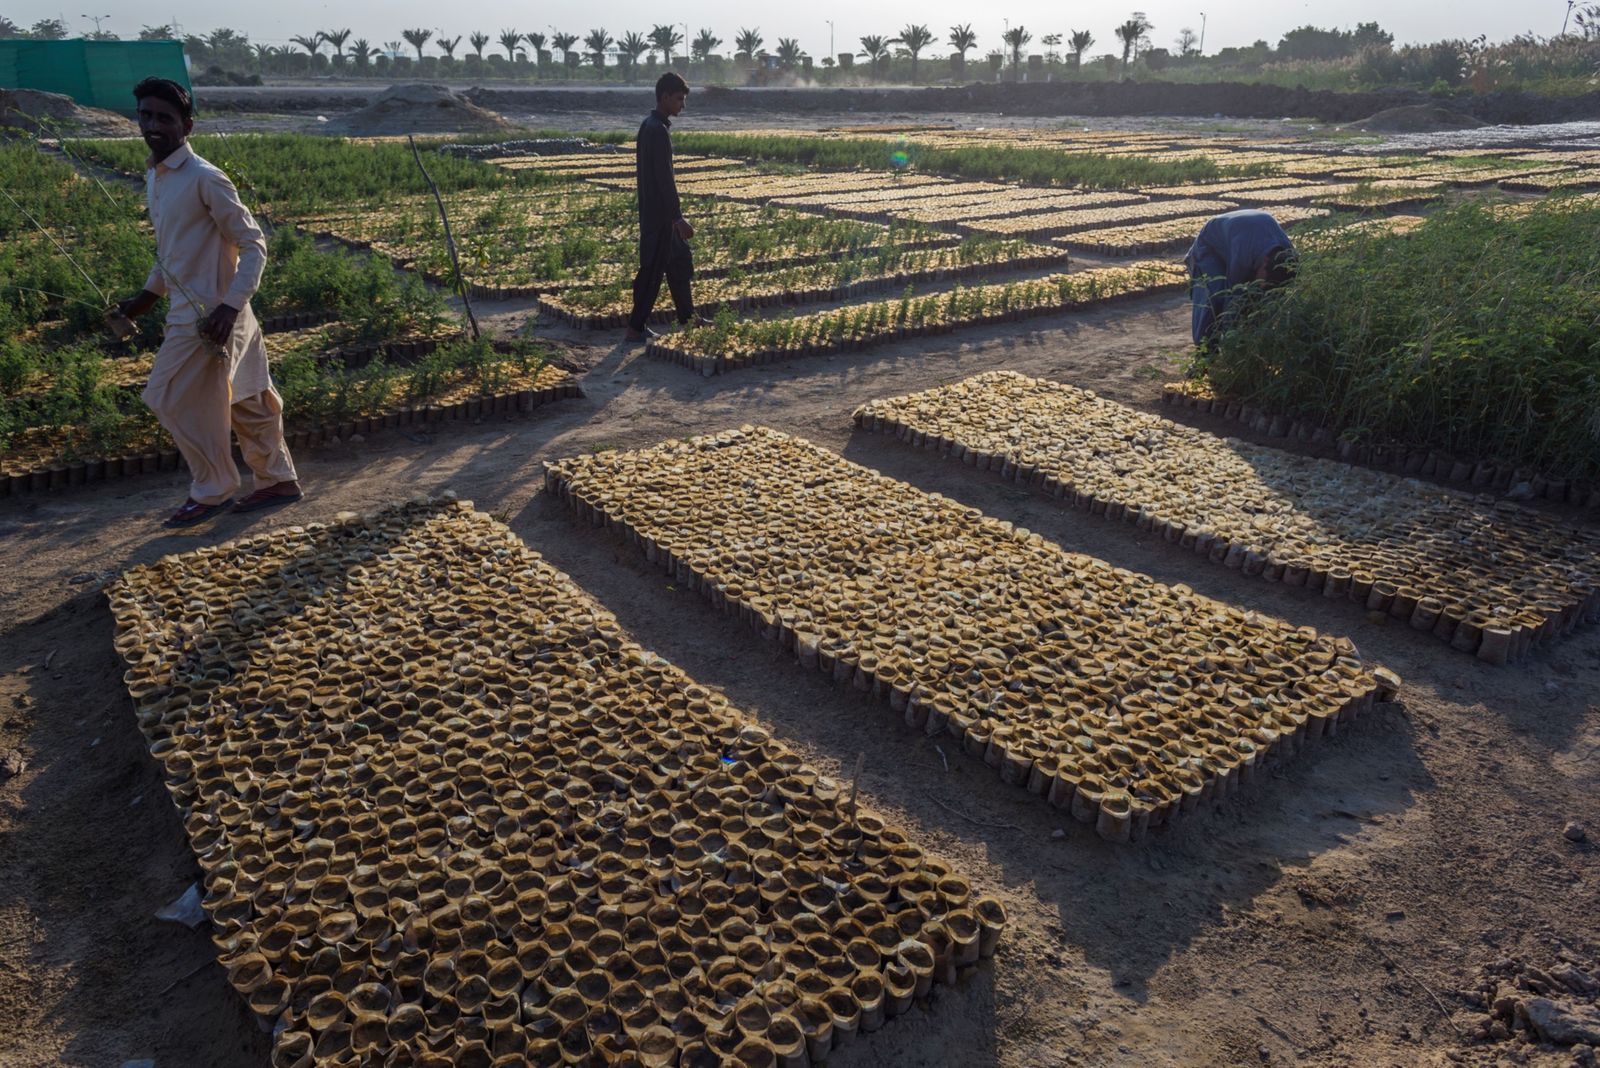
(40, 112)
(418, 108)
(1417, 118)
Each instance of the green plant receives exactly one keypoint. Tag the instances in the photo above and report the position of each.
(1477, 333)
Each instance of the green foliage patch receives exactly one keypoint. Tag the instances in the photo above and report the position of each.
(1477, 333)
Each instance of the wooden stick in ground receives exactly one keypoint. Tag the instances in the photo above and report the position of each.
(1424, 987)
(449, 239)
(855, 784)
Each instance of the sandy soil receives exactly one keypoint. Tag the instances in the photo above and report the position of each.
(1311, 920)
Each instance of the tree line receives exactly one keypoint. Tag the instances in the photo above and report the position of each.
(1325, 57)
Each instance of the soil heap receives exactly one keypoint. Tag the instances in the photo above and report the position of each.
(40, 112)
(418, 108)
(1417, 118)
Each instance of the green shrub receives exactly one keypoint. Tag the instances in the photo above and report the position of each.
(1477, 334)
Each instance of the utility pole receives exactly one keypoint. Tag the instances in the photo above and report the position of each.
(830, 35)
(1202, 33)
(1570, 5)
(98, 19)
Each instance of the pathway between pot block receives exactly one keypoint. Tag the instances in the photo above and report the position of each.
(1489, 577)
(1125, 700)
(442, 804)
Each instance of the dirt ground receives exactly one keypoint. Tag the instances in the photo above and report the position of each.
(1325, 916)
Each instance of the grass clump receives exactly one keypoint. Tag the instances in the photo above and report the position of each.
(1477, 333)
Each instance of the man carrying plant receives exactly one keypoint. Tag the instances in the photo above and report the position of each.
(663, 232)
(1234, 250)
(210, 374)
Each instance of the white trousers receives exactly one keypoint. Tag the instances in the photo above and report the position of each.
(191, 392)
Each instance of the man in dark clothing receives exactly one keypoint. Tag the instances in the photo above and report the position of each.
(1234, 250)
(663, 232)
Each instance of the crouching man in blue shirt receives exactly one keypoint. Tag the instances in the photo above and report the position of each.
(1232, 251)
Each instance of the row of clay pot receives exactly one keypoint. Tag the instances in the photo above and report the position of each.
(932, 608)
(1490, 579)
(278, 324)
(556, 309)
(1485, 475)
(71, 473)
(708, 364)
(447, 813)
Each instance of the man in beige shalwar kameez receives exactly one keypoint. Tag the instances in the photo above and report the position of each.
(211, 373)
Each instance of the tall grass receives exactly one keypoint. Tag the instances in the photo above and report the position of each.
(1035, 166)
(1478, 334)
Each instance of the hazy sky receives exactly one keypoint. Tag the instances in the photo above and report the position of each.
(1229, 22)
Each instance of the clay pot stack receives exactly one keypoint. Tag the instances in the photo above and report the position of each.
(1123, 700)
(448, 814)
(1488, 577)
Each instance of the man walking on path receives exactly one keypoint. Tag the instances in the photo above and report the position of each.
(1231, 251)
(663, 232)
(211, 374)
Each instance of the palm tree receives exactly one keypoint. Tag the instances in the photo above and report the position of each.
(1015, 38)
(596, 42)
(705, 43)
(665, 39)
(914, 38)
(361, 52)
(963, 40)
(748, 42)
(1130, 33)
(337, 38)
(393, 48)
(311, 44)
(789, 53)
(876, 49)
(536, 41)
(478, 39)
(563, 42)
(509, 39)
(447, 45)
(1050, 40)
(633, 45)
(1081, 41)
(416, 39)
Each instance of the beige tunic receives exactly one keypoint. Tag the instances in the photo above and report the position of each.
(210, 251)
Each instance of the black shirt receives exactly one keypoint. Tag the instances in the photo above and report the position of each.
(658, 190)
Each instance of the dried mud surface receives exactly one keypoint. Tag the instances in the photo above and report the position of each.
(1313, 919)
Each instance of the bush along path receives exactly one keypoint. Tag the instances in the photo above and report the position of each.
(324, 402)
(1473, 336)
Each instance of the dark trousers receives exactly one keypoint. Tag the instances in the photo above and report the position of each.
(662, 254)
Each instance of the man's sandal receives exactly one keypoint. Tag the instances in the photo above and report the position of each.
(194, 512)
(266, 498)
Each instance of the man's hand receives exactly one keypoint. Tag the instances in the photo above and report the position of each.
(683, 229)
(219, 324)
(138, 304)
